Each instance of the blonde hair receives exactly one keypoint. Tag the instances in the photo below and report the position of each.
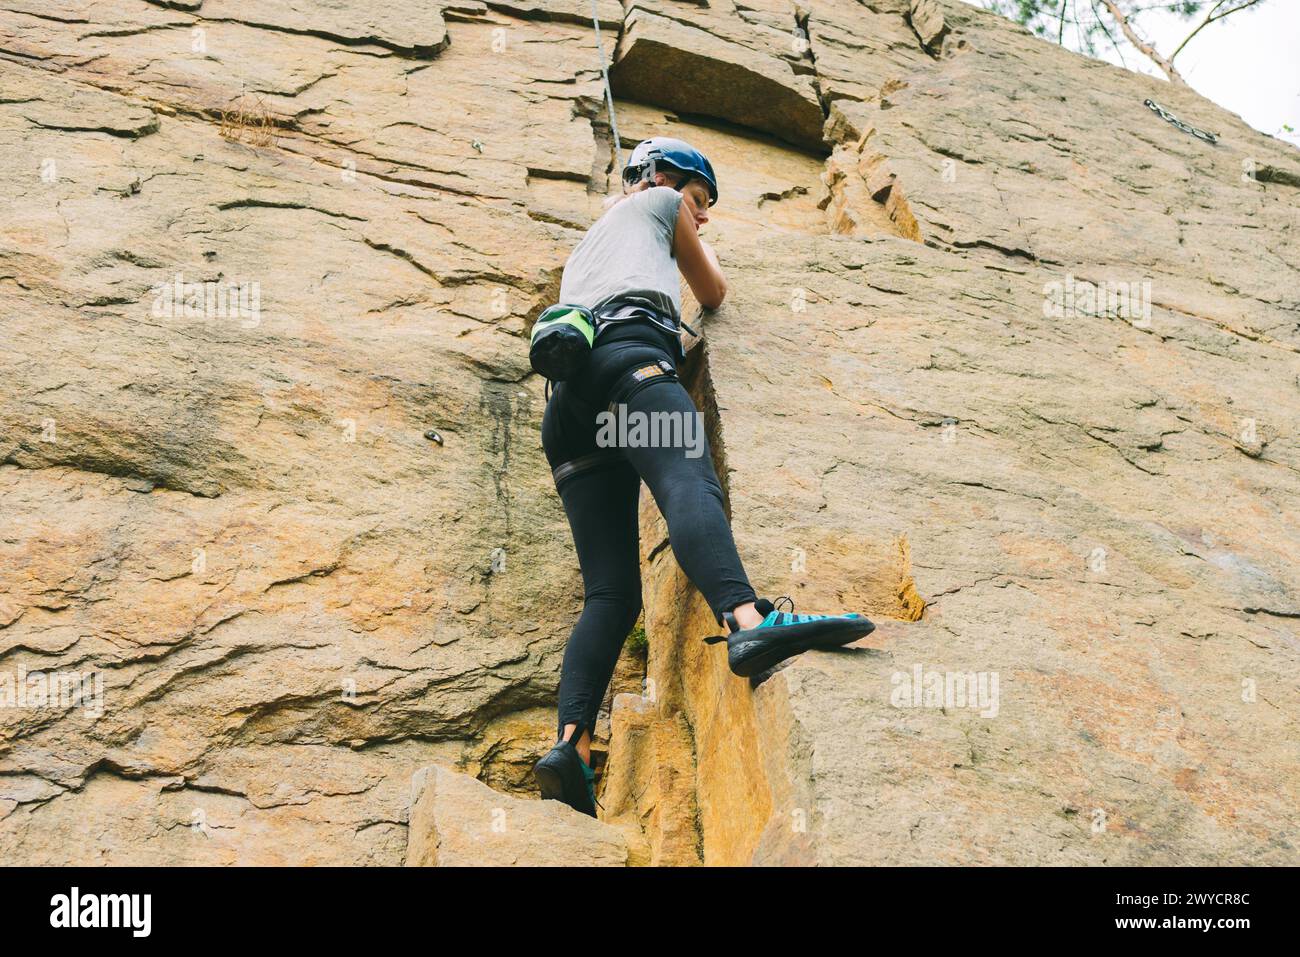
(612, 201)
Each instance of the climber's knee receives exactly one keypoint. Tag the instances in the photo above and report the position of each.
(631, 612)
(620, 607)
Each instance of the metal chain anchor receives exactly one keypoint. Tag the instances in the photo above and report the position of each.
(1164, 114)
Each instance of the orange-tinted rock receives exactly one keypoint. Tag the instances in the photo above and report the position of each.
(294, 599)
(457, 821)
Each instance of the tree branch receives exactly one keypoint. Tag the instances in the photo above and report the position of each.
(1210, 18)
(1146, 48)
(1085, 37)
(1101, 23)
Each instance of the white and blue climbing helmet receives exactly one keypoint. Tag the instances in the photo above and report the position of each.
(660, 153)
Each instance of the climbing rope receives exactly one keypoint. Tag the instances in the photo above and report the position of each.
(1164, 114)
(609, 94)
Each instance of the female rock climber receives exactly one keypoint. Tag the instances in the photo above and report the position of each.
(625, 270)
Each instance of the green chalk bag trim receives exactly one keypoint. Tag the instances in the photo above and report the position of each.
(562, 338)
(556, 315)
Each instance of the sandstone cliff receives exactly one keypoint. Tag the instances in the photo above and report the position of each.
(294, 599)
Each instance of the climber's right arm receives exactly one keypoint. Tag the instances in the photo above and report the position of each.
(698, 262)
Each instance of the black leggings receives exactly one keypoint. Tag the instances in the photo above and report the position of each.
(600, 488)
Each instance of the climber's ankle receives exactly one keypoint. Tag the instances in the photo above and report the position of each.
(582, 745)
(747, 615)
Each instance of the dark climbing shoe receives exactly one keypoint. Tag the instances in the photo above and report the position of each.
(782, 635)
(563, 776)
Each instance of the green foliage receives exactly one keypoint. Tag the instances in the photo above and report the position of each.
(637, 643)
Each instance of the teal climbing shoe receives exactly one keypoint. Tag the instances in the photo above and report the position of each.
(781, 635)
(563, 776)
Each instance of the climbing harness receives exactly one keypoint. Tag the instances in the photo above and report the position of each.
(1164, 114)
(648, 311)
(634, 380)
(564, 334)
(609, 94)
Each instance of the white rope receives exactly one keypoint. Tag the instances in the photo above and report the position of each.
(609, 94)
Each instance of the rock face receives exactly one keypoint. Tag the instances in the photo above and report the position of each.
(650, 788)
(927, 20)
(1008, 363)
(457, 821)
(753, 68)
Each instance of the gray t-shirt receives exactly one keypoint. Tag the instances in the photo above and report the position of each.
(628, 251)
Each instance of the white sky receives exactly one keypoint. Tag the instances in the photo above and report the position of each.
(1248, 62)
